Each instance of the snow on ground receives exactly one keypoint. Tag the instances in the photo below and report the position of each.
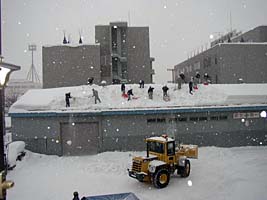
(219, 173)
(211, 95)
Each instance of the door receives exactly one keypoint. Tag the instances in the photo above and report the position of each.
(79, 138)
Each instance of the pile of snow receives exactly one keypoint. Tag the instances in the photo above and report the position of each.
(111, 97)
(221, 173)
(14, 152)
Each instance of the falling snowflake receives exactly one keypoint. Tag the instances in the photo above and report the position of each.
(134, 47)
(73, 124)
(263, 114)
(189, 183)
(19, 23)
(164, 6)
(69, 142)
(48, 127)
(57, 141)
(117, 130)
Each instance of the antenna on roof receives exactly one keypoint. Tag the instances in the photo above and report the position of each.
(129, 18)
(231, 28)
(64, 39)
(80, 34)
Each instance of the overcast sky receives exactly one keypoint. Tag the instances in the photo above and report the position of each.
(177, 27)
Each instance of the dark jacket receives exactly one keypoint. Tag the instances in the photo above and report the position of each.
(130, 92)
(123, 87)
(150, 89)
(165, 88)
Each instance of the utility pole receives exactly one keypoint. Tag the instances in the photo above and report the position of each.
(2, 99)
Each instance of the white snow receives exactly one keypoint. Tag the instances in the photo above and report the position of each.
(220, 173)
(156, 163)
(163, 139)
(13, 150)
(45, 100)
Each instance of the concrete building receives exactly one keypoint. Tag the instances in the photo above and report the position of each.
(216, 115)
(233, 58)
(121, 53)
(70, 65)
(125, 53)
(63, 133)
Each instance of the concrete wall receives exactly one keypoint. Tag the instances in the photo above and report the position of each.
(205, 62)
(243, 61)
(258, 34)
(228, 62)
(139, 67)
(44, 134)
(66, 65)
(126, 132)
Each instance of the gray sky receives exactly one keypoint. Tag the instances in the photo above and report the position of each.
(177, 27)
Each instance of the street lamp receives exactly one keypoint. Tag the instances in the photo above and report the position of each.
(5, 70)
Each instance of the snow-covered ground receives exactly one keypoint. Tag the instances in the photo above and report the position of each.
(53, 100)
(219, 173)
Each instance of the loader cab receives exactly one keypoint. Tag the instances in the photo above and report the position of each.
(162, 147)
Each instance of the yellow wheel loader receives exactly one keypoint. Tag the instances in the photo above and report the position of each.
(163, 159)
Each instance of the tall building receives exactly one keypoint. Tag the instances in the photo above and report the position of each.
(232, 58)
(125, 53)
(121, 54)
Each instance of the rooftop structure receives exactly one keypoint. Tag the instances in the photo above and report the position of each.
(232, 58)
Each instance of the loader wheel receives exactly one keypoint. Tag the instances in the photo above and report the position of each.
(185, 171)
(161, 178)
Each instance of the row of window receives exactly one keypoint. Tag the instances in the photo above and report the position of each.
(185, 119)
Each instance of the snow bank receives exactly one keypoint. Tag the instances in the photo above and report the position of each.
(224, 173)
(14, 149)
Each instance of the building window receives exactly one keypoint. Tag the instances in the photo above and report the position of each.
(207, 62)
(182, 119)
(179, 119)
(203, 118)
(223, 117)
(193, 118)
(151, 120)
(156, 120)
(161, 120)
(214, 118)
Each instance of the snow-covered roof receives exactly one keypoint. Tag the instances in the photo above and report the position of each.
(162, 139)
(53, 100)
